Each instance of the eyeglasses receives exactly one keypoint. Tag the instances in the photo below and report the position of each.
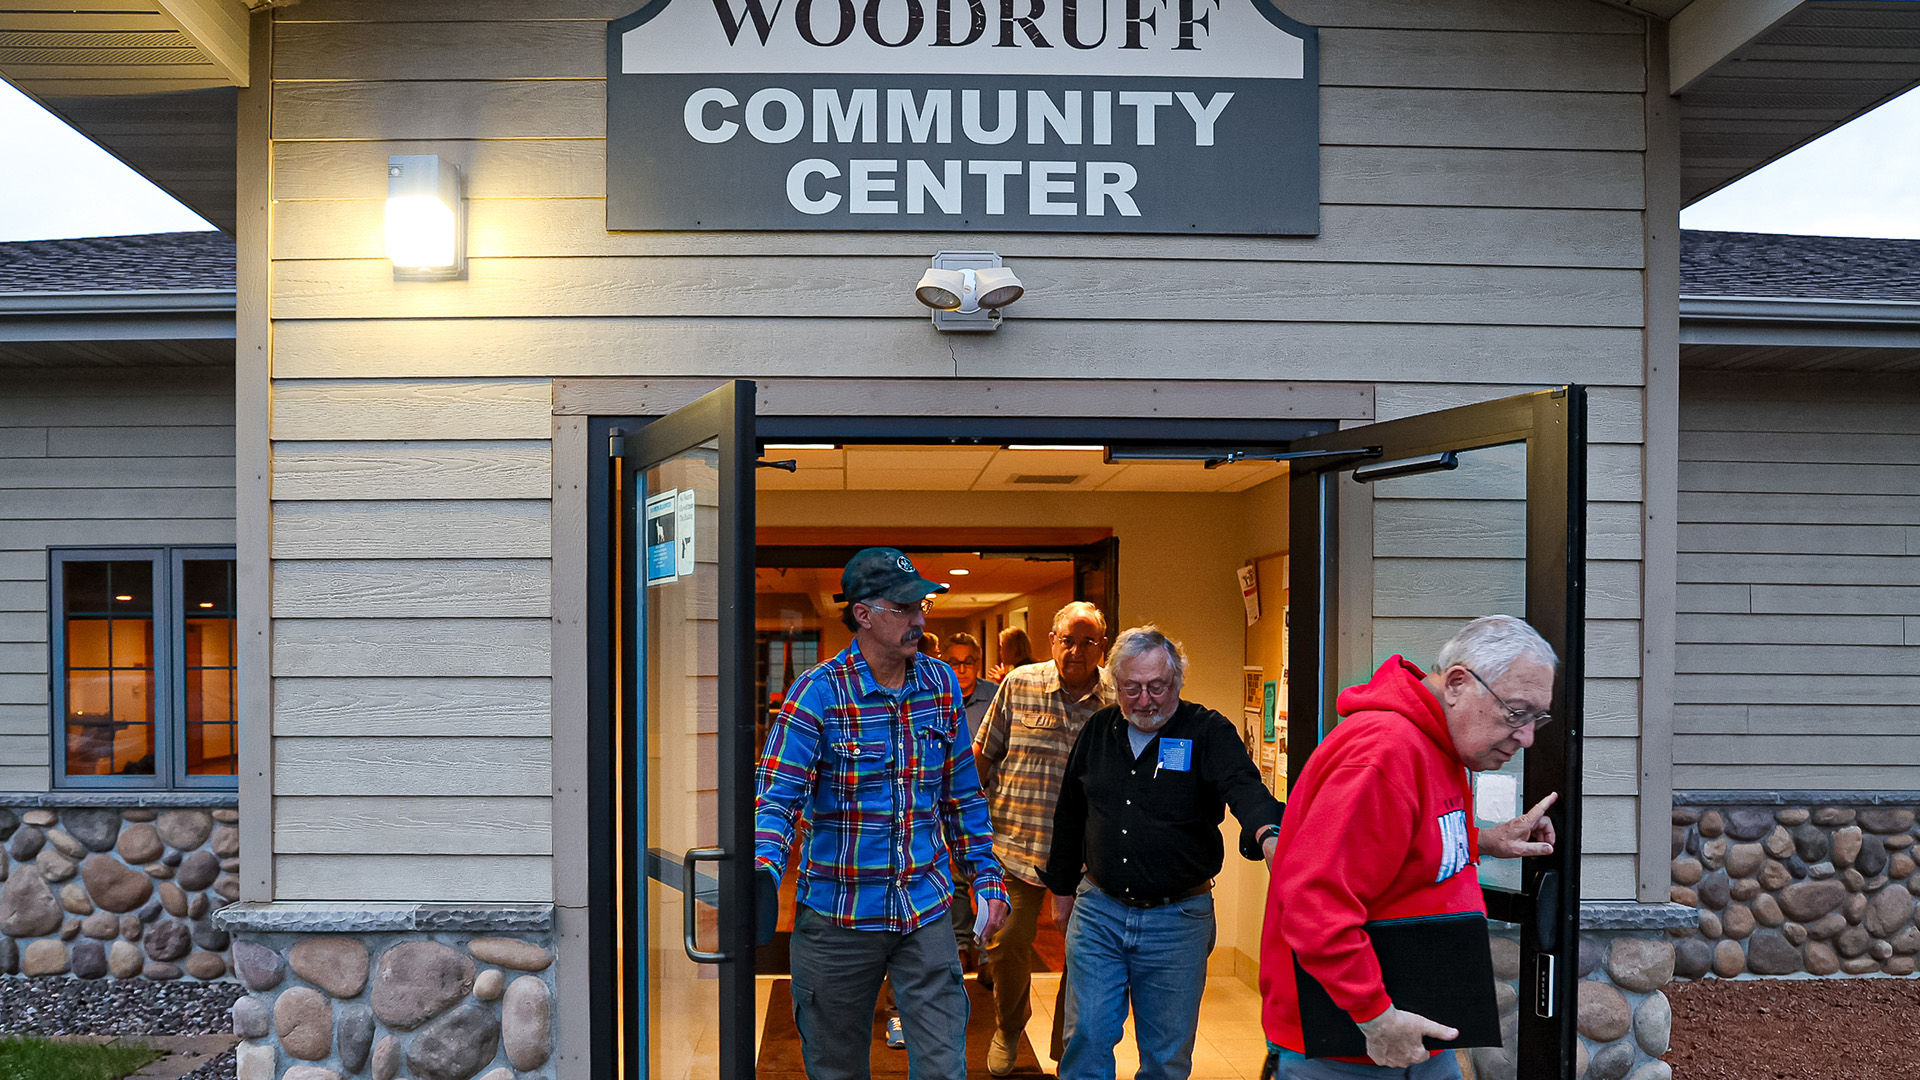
(1151, 689)
(964, 662)
(1074, 644)
(926, 606)
(1515, 718)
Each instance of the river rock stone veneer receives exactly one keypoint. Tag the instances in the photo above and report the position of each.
(1785, 885)
(128, 892)
(431, 1006)
(1623, 1019)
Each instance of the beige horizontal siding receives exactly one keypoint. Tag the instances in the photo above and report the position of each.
(1482, 191)
(412, 706)
(449, 878)
(1799, 509)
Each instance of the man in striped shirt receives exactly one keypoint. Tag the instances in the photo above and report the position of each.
(1022, 748)
(872, 746)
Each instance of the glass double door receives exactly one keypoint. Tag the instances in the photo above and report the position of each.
(1469, 511)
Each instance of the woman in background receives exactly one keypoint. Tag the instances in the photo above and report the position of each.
(1015, 651)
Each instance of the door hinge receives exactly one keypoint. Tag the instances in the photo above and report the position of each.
(616, 443)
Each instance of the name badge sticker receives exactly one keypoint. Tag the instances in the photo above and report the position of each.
(1176, 754)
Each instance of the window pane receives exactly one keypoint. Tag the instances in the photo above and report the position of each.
(207, 648)
(109, 668)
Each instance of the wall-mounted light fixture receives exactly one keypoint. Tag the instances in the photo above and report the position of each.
(967, 289)
(426, 218)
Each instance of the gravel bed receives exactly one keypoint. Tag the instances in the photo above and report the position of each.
(115, 1007)
(220, 1068)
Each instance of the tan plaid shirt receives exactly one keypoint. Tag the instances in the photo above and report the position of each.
(1021, 753)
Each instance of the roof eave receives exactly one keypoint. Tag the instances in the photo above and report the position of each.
(1748, 320)
(159, 315)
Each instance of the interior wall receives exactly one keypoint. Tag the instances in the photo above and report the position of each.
(1178, 553)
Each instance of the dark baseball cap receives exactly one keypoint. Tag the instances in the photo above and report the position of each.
(885, 573)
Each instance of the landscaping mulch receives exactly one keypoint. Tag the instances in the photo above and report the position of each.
(121, 1007)
(1794, 1029)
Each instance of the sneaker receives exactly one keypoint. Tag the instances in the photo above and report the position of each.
(896, 1035)
(1001, 1054)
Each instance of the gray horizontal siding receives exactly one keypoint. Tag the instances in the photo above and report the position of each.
(1798, 649)
(126, 457)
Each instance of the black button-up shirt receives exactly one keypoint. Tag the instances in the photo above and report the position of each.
(1143, 830)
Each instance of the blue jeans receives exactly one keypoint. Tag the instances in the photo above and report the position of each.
(1154, 959)
(1443, 1065)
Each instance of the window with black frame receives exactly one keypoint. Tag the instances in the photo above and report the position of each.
(145, 670)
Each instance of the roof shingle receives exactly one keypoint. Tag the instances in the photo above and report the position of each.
(152, 262)
(1798, 267)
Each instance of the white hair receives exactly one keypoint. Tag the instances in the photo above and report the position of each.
(1140, 640)
(1491, 643)
(1078, 609)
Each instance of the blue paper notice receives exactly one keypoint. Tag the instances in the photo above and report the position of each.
(1176, 754)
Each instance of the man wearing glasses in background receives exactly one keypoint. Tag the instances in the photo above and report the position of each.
(1021, 748)
(1380, 827)
(1136, 845)
(872, 747)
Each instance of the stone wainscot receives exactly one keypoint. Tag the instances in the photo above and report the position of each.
(1787, 882)
(433, 992)
(1624, 1021)
(117, 885)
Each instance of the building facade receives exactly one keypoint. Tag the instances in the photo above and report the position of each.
(462, 826)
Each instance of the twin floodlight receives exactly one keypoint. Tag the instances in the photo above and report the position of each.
(967, 289)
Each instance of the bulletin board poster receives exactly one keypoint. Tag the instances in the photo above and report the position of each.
(1269, 711)
(668, 524)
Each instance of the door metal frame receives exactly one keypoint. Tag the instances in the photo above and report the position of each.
(725, 415)
(1553, 425)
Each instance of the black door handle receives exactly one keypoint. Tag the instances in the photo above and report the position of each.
(689, 882)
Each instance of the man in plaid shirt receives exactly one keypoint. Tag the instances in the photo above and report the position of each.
(1022, 748)
(872, 747)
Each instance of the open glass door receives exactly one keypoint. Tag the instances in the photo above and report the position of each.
(685, 768)
(1451, 515)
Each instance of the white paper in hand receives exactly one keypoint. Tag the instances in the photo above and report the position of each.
(980, 924)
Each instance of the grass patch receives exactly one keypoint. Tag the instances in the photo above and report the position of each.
(23, 1057)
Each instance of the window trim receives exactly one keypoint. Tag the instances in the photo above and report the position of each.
(177, 558)
(169, 727)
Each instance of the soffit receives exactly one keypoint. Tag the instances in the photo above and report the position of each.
(1826, 63)
(151, 82)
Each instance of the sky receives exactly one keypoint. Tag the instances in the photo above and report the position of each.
(1856, 181)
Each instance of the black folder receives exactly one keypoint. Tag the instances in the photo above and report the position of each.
(1438, 966)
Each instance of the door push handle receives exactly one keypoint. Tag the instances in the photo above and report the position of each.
(689, 882)
(1546, 911)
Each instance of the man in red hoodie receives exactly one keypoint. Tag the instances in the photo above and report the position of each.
(1379, 827)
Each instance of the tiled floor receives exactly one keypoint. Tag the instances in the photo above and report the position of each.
(1229, 1045)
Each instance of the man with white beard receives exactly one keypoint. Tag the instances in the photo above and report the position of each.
(1136, 844)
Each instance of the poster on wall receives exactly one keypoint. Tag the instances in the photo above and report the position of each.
(1190, 117)
(668, 524)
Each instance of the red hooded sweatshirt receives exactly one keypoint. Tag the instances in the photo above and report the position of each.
(1379, 826)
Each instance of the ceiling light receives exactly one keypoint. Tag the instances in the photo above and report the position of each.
(958, 572)
(123, 598)
(206, 604)
(1054, 446)
(800, 446)
(967, 289)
